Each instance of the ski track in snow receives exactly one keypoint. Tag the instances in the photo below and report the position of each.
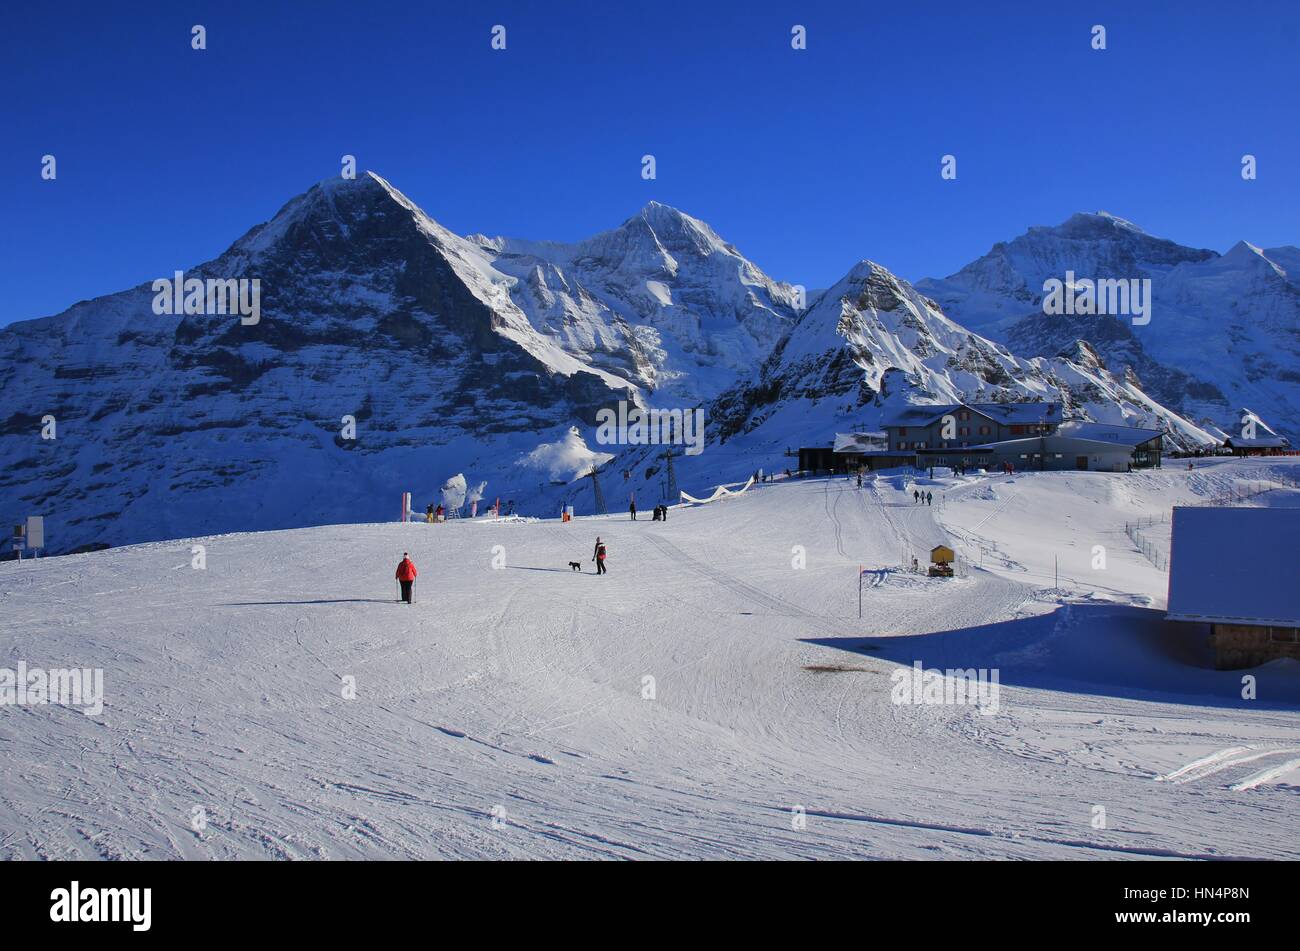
(502, 716)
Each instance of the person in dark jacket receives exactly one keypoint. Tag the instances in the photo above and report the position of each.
(632, 508)
(406, 576)
(598, 556)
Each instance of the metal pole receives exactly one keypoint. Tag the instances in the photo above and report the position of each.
(859, 592)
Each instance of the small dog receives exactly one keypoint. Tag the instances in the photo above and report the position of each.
(575, 565)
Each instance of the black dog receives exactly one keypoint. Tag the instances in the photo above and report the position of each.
(575, 565)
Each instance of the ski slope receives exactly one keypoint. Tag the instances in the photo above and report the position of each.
(505, 714)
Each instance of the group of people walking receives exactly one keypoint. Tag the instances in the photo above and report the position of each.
(660, 512)
(922, 498)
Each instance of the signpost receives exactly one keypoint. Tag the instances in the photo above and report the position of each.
(29, 536)
(35, 532)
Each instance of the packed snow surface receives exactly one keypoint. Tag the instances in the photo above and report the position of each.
(510, 711)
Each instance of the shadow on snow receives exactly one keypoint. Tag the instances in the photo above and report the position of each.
(1098, 649)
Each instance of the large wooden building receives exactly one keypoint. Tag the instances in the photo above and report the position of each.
(1028, 436)
(1267, 445)
(1232, 569)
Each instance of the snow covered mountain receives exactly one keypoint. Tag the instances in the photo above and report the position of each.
(1224, 330)
(661, 299)
(389, 355)
(867, 346)
(392, 354)
(873, 342)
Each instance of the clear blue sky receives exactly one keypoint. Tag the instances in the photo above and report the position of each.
(807, 161)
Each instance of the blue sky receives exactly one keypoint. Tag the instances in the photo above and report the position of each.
(808, 161)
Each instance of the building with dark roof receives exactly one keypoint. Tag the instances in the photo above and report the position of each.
(1023, 435)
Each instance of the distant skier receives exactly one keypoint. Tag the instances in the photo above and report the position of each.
(598, 556)
(428, 515)
(406, 576)
(632, 509)
(437, 515)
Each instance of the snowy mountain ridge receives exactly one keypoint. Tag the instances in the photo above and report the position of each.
(393, 354)
(873, 343)
(1225, 328)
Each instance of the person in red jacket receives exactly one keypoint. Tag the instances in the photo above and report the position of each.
(406, 576)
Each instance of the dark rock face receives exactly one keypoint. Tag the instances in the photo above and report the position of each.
(1112, 344)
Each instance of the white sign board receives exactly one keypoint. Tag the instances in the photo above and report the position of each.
(36, 531)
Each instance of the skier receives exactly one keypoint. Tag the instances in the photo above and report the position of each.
(632, 508)
(428, 515)
(598, 556)
(406, 576)
(437, 515)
